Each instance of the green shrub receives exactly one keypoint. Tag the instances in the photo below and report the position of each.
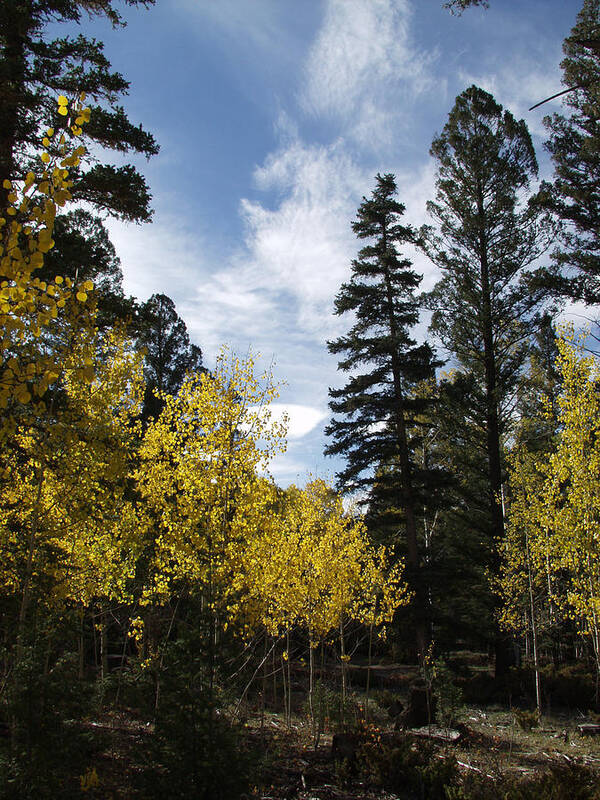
(333, 712)
(572, 781)
(526, 720)
(48, 748)
(447, 695)
(198, 751)
(571, 686)
(400, 764)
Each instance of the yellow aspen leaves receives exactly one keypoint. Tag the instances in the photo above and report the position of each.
(207, 449)
(70, 474)
(552, 551)
(27, 307)
(312, 565)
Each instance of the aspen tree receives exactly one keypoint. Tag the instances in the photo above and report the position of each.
(553, 548)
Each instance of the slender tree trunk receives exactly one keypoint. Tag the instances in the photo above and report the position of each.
(81, 644)
(31, 548)
(285, 690)
(503, 642)
(536, 664)
(264, 685)
(369, 662)
(311, 685)
(103, 646)
(407, 494)
(289, 676)
(343, 660)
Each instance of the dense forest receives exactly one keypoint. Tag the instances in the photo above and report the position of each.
(175, 624)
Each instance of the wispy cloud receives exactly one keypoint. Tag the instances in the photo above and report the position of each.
(258, 33)
(303, 245)
(301, 419)
(361, 66)
(163, 257)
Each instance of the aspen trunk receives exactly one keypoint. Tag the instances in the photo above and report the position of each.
(536, 665)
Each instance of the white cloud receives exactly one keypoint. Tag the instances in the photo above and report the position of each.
(302, 248)
(263, 27)
(301, 419)
(363, 67)
(163, 257)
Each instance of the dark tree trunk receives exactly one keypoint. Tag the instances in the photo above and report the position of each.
(504, 655)
(13, 69)
(406, 487)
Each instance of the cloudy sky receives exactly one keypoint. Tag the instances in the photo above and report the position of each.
(273, 117)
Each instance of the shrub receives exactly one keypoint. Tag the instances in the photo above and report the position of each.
(399, 764)
(569, 782)
(571, 686)
(332, 711)
(48, 747)
(447, 695)
(198, 752)
(526, 720)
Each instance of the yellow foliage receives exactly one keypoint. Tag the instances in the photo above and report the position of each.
(199, 478)
(312, 565)
(554, 530)
(66, 521)
(29, 306)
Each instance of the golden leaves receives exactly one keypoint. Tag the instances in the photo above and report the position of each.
(312, 565)
(552, 549)
(29, 307)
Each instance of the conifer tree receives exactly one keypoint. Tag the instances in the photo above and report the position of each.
(573, 145)
(377, 409)
(169, 353)
(486, 305)
(35, 68)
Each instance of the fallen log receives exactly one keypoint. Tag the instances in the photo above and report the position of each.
(433, 732)
(589, 729)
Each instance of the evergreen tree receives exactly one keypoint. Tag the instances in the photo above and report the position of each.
(377, 409)
(83, 251)
(458, 6)
(487, 303)
(35, 68)
(458, 547)
(169, 354)
(574, 145)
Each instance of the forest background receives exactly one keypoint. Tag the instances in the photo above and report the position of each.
(149, 557)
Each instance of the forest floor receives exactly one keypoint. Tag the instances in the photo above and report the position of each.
(491, 744)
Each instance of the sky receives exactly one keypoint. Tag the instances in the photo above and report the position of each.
(273, 118)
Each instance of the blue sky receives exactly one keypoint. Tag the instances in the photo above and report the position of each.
(273, 118)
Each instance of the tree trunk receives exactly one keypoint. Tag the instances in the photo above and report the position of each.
(17, 27)
(407, 494)
(536, 664)
(502, 642)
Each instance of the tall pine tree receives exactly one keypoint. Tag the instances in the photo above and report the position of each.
(574, 145)
(377, 410)
(169, 354)
(485, 242)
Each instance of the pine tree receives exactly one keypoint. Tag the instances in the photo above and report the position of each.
(377, 409)
(35, 68)
(456, 542)
(169, 354)
(458, 6)
(574, 144)
(486, 305)
(83, 251)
